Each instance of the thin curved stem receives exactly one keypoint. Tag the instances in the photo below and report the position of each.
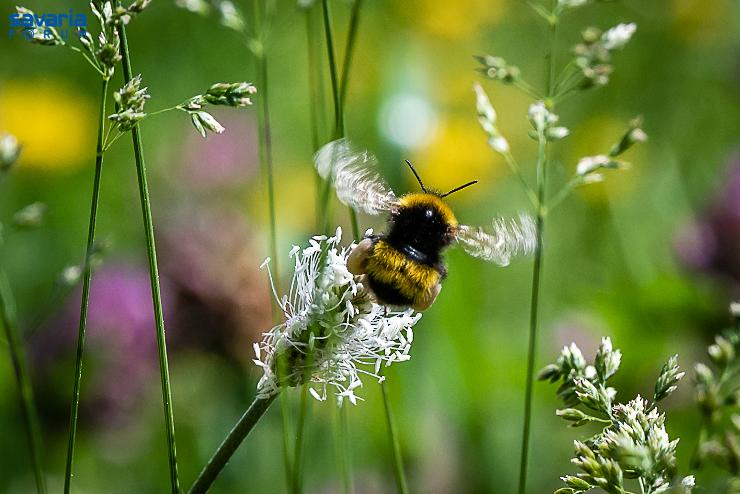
(151, 249)
(86, 279)
(228, 447)
(542, 165)
(9, 321)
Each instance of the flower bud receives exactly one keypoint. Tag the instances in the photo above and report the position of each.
(9, 151)
(31, 216)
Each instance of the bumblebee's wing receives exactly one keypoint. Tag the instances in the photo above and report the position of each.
(503, 241)
(353, 173)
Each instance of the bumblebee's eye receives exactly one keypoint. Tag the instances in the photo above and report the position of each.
(429, 214)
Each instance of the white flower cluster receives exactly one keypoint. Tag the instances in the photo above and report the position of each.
(633, 443)
(487, 120)
(543, 121)
(333, 332)
(594, 53)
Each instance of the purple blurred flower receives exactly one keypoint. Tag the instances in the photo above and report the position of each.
(120, 346)
(221, 160)
(712, 242)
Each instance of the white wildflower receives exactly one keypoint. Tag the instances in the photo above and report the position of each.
(230, 16)
(333, 332)
(556, 133)
(543, 121)
(618, 36)
(487, 120)
(197, 6)
(9, 150)
(571, 4)
(735, 309)
(590, 164)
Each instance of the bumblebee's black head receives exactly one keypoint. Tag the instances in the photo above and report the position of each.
(424, 223)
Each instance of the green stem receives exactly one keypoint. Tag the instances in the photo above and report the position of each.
(533, 313)
(339, 91)
(315, 87)
(542, 165)
(517, 171)
(354, 22)
(226, 449)
(146, 210)
(395, 443)
(335, 91)
(297, 484)
(266, 159)
(87, 276)
(25, 390)
(341, 449)
(287, 428)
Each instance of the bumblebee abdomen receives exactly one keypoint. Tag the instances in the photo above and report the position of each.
(397, 279)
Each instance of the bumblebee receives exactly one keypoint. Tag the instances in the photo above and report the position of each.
(404, 266)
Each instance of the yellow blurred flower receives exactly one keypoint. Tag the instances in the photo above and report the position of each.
(459, 153)
(699, 20)
(596, 136)
(454, 20)
(54, 123)
(295, 199)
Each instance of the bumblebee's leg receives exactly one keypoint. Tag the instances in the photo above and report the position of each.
(358, 256)
(427, 301)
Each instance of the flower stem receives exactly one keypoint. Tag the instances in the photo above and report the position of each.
(226, 449)
(338, 90)
(297, 485)
(153, 275)
(395, 444)
(87, 276)
(354, 22)
(542, 165)
(266, 158)
(335, 90)
(344, 443)
(9, 321)
(287, 428)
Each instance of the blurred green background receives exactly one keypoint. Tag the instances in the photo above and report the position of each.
(651, 257)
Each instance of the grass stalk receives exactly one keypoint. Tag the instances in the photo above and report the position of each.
(226, 449)
(354, 22)
(153, 275)
(9, 321)
(287, 433)
(543, 158)
(86, 280)
(266, 163)
(398, 470)
(262, 20)
(335, 90)
(297, 484)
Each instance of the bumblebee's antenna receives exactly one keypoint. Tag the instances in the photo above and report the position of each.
(418, 178)
(459, 188)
